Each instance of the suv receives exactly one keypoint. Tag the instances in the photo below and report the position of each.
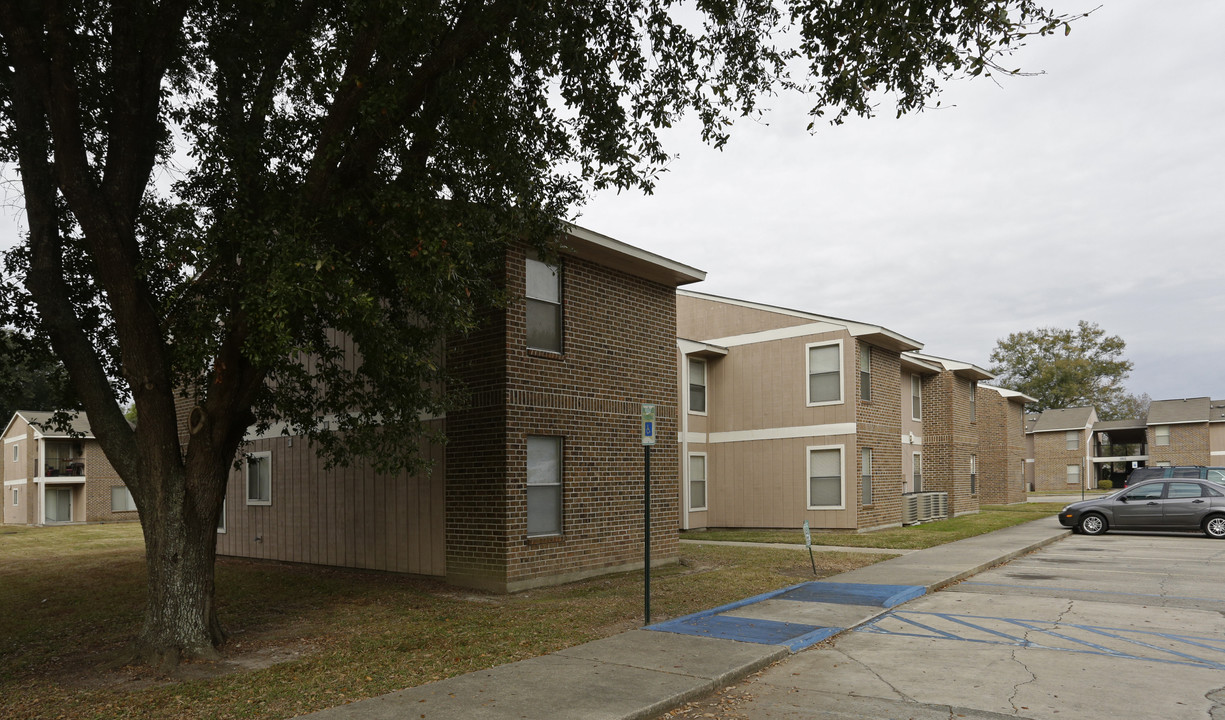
(1214, 474)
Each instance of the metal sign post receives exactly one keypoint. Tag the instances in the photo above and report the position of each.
(808, 544)
(648, 439)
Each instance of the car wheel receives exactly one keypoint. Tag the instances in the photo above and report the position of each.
(1214, 527)
(1093, 524)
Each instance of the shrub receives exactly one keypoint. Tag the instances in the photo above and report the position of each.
(1104, 484)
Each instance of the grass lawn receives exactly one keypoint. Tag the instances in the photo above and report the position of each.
(992, 517)
(306, 638)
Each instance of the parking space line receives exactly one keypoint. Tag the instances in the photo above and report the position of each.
(1075, 590)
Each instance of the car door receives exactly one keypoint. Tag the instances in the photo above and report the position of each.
(1185, 505)
(1139, 507)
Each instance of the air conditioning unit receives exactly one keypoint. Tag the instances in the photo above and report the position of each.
(910, 509)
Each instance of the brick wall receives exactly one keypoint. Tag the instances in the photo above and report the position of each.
(949, 439)
(879, 426)
(100, 477)
(1051, 460)
(618, 352)
(1001, 448)
(1188, 445)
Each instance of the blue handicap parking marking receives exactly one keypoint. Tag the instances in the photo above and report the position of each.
(1124, 643)
(854, 593)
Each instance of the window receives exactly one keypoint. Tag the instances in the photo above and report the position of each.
(543, 485)
(543, 306)
(865, 374)
(973, 474)
(1073, 474)
(121, 500)
(259, 478)
(825, 478)
(1184, 490)
(973, 401)
(697, 481)
(866, 460)
(16, 496)
(16, 451)
(221, 520)
(1162, 435)
(825, 373)
(1071, 440)
(697, 386)
(916, 397)
(916, 464)
(1147, 492)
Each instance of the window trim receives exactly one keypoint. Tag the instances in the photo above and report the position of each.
(1071, 440)
(264, 455)
(704, 481)
(131, 499)
(808, 375)
(973, 402)
(559, 484)
(916, 480)
(973, 474)
(16, 496)
(705, 386)
(16, 452)
(916, 394)
(808, 451)
(221, 520)
(559, 305)
(1069, 474)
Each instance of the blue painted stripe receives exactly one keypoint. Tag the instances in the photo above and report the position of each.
(1091, 592)
(727, 627)
(854, 593)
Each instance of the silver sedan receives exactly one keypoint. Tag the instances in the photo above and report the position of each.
(1171, 504)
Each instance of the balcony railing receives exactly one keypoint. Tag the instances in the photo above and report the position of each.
(1128, 450)
(64, 467)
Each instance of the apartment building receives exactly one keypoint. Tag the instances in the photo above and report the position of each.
(790, 416)
(54, 477)
(541, 480)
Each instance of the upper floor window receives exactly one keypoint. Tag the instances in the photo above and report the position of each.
(697, 385)
(973, 401)
(259, 478)
(865, 374)
(16, 451)
(543, 306)
(825, 373)
(1071, 440)
(1162, 433)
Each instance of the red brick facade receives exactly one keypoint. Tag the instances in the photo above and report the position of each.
(950, 438)
(1001, 449)
(879, 427)
(1188, 445)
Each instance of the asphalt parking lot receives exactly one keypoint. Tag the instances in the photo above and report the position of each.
(1121, 625)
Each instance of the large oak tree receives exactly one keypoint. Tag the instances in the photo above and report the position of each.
(212, 188)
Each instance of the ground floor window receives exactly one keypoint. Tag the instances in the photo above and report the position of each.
(973, 474)
(916, 465)
(1073, 474)
(544, 489)
(121, 500)
(697, 481)
(825, 478)
(866, 462)
(259, 478)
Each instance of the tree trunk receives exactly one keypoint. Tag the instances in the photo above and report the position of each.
(180, 614)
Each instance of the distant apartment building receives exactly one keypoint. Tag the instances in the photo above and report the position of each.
(791, 416)
(53, 477)
(1070, 448)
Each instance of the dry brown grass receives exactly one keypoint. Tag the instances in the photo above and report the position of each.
(305, 638)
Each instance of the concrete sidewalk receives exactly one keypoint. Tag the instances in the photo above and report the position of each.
(643, 673)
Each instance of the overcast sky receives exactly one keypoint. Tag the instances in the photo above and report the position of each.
(1094, 192)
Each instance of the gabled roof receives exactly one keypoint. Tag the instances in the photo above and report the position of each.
(1010, 395)
(593, 246)
(960, 369)
(1107, 425)
(1216, 411)
(80, 424)
(1077, 418)
(1173, 412)
(874, 334)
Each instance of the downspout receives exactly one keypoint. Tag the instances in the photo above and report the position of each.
(684, 439)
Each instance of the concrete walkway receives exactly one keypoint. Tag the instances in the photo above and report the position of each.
(643, 673)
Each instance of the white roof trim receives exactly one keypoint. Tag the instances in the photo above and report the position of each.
(638, 253)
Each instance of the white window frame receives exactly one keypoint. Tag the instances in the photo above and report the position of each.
(16, 452)
(703, 480)
(16, 497)
(221, 520)
(916, 394)
(808, 375)
(130, 500)
(916, 479)
(705, 386)
(1073, 478)
(808, 475)
(865, 373)
(559, 305)
(259, 457)
(973, 474)
(973, 402)
(558, 484)
(1161, 432)
(1071, 440)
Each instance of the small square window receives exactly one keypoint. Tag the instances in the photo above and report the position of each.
(121, 500)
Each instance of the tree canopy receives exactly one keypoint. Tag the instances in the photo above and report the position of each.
(1066, 368)
(217, 191)
(30, 377)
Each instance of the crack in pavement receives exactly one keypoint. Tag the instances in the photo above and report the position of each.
(877, 675)
(1217, 698)
(1016, 689)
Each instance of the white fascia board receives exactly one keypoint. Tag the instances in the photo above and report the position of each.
(785, 333)
(1179, 422)
(688, 347)
(16, 438)
(783, 433)
(689, 274)
(21, 481)
(1010, 394)
(953, 365)
(911, 358)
